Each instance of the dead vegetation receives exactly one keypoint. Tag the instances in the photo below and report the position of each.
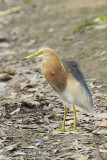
(29, 109)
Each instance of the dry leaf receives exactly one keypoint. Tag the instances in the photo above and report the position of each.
(100, 115)
(19, 153)
(4, 44)
(2, 86)
(83, 157)
(66, 154)
(103, 132)
(2, 157)
(26, 120)
(69, 122)
(5, 77)
(31, 147)
(8, 148)
(16, 111)
(92, 85)
(102, 123)
(1, 141)
(46, 120)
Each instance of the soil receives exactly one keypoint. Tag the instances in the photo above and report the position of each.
(30, 110)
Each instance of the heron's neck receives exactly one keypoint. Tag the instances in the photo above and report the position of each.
(55, 73)
(51, 65)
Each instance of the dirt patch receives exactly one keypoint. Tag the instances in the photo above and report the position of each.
(29, 108)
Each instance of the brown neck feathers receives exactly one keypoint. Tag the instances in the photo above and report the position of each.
(55, 73)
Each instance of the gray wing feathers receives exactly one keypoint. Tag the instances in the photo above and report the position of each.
(77, 74)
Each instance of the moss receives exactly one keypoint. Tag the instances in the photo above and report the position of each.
(82, 26)
(7, 70)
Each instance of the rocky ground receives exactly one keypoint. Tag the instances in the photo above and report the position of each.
(30, 110)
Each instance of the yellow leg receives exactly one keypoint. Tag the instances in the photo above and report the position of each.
(74, 112)
(63, 125)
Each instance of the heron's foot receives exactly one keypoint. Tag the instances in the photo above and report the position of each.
(63, 129)
(68, 129)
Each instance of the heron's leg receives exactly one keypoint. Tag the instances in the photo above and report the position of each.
(65, 113)
(63, 125)
(74, 112)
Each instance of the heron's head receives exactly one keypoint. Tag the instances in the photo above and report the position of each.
(44, 53)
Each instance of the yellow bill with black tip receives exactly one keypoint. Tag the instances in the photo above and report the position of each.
(33, 55)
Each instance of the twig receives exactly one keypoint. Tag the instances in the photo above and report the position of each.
(9, 11)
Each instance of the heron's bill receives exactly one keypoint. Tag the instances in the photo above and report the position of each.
(33, 55)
